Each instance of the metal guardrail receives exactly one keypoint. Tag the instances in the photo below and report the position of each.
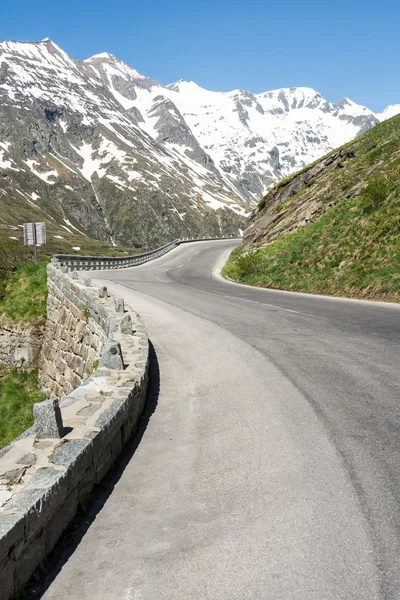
(92, 263)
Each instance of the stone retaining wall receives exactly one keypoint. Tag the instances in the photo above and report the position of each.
(42, 481)
(19, 344)
(76, 329)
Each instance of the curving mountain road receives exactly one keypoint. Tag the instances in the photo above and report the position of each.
(270, 468)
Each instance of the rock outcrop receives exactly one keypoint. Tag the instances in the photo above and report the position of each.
(276, 216)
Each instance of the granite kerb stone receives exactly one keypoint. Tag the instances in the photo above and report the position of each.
(12, 530)
(76, 455)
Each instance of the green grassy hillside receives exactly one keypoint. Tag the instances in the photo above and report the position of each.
(23, 284)
(18, 393)
(23, 293)
(336, 230)
(64, 244)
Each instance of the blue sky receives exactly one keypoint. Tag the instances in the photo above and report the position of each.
(340, 48)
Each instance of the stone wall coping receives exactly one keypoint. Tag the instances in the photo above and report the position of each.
(43, 481)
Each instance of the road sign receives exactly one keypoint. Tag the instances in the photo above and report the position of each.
(40, 233)
(29, 234)
(34, 235)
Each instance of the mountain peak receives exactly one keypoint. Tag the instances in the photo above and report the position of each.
(345, 101)
(291, 91)
(103, 56)
(40, 51)
(115, 66)
(175, 85)
(388, 112)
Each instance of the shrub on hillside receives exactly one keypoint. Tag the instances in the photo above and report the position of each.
(19, 390)
(261, 204)
(248, 264)
(12, 255)
(25, 293)
(374, 194)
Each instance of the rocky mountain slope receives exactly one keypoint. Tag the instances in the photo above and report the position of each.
(99, 151)
(71, 155)
(256, 139)
(333, 227)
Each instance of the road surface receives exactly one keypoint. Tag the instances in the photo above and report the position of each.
(270, 467)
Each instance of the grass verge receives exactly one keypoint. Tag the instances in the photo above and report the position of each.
(25, 293)
(18, 393)
(352, 251)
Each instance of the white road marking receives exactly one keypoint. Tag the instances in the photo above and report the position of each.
(265, 304)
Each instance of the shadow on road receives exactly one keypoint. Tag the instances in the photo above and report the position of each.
(72, 536)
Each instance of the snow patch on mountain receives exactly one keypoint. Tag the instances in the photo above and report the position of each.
(251, 140)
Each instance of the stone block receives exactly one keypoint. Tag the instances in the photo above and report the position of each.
(86, 483)
(40, 497)
(12, 528)
(126, 324)
(116, 445)
(84, 352)
(81, 370)
(127, 429)
(111, 357)
(75, 381)
(74, 362)
(7, 577)
(76, 456)
(51, 371)
(119, 305)
(31, 556)
(61, 519)
(109, 420)
(81, 330)
(81, 294)
(48, 419)
(103, 465)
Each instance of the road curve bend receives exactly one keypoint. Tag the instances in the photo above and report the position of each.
(270, 468)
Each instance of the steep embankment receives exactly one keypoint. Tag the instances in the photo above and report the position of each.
(332, 228)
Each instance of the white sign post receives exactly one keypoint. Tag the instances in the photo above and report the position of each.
(34, 235)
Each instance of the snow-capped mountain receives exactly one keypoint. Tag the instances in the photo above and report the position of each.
(95, 147)
(252, 139)
(72, 155)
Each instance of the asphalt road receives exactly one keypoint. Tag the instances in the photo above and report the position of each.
(270, 467)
